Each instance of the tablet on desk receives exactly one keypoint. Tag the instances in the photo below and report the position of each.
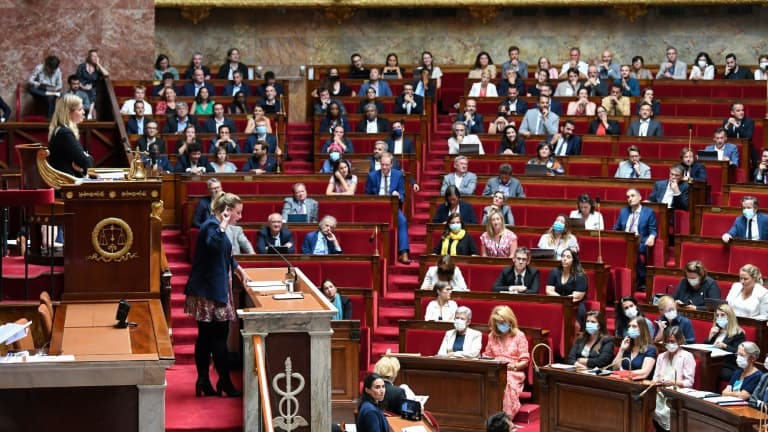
(542, 253)
(469, 149)
(274, 249)
(297, 218)
(707, 155)
(535, 170)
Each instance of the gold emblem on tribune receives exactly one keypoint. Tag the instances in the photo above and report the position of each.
(112, 239)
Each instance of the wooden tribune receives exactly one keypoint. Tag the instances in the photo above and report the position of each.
(692, 414)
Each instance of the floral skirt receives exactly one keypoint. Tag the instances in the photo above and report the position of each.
(207, 310)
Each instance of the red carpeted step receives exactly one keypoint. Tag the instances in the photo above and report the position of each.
(529, 413)
(185, 412)
(184, 335)
(380, 348)
(390, 316)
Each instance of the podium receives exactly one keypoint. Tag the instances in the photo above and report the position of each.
(287, 356)
(692, 414)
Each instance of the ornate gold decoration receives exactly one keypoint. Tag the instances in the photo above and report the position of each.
(112, 239)
(91, 194)
(631, 12)
(195, 14)
(133, 194)
(112, 194)
(157, 210)
(69, 195)
(154, 194)
(50, 175)
(338, 13)
(484, 13)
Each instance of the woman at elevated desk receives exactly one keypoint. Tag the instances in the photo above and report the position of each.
(594, 347)
(637, 354)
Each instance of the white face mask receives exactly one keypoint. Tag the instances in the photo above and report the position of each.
(630, 312)
(702, 64)
(694, 282)
(763, 65)
(741, 362)
(671, 347)
(671, 314)
(459, 324)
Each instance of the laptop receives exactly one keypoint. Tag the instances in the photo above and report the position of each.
(281, 249)
(535, 170)
(539, 253)
(576, 223)
(707, 155)
(469, 149)
(297, 218)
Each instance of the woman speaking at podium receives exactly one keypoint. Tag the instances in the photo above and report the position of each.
(66, 153)
(209, 294)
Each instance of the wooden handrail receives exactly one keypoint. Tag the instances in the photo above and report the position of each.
(118, 118)
(261, 371)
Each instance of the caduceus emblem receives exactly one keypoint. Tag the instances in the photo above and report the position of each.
(288, 405)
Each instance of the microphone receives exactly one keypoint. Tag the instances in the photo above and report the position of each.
(290, 280)
(599, 234)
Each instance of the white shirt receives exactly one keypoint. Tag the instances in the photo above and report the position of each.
(561, 147)
(398, 146)
(669, 194)
(755, 230)
(755, 306)
(457, 282)
(643, 130)
(371, 126)
(445, 313)
(127, 107)
(632, 221)
(594, 220)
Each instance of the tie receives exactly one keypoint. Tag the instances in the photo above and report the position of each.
(386, 185)
(303, 208)
(539, 125)
(749, 229)
(519, 280)
(634, 173)
(277, 241)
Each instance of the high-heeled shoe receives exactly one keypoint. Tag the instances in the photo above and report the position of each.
(204, 388)
(227, 388)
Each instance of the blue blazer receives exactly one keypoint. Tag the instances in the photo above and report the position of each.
(739, 228)
(408, 146)
(477, 125)
(372, 164)
(555, 106)
(730, 151)
(270, 139)
(189, 89)
(679, 202)
(264, 237)
(244, 88)
(465, 210)
(520, 105)
(370, 418)
(210, 125)
(212, 263)
(697, 171)
(396, 183)
(646, 225)
(132, 125)
(309, 244)
(572, 145)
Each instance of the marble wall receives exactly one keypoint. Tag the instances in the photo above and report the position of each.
(122, 30)
(283, 39)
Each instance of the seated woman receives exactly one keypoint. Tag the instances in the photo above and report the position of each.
(761, 73)
(427, 62)
(167, 104)
(370, 97)
(484, 88)
(506, 342)
(221, 163)
(637, 351)
(203, 104)
(569, 87)
(542, 78)
(545, 65)
(511, 142)
(342, 303)
(594, 347)
(544, 157)
(462, 341)
(339, 138)
(511, 79)
(628, 311)
(425, 85)
(749, 298)
(442, 308)
(342, 182)
(558, 237)
(675, 367)
(455, 240)
(335, 153)
(582, 105)
(453, 204)
(459, 136)
(239, 104)
(602, 125)
(726, 335)
(446, 271)
(497, 125)
(369, 415)
(497, 240)
(392, 69)
(190, 137)
(638, 70)
(669, 317)
(483, 62)
(497, 204)
(335, 86)
(695, 287)
(388, 367)
(593, 220)
(258, 115)
(162, 66)
(648, 96)
(744, 380)
(569, 280)
(703, 68)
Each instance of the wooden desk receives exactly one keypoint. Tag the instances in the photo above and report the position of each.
(345, 361)
(462, 393)
(575, 401)
(129, 386)
(397, 424)
(692, 414)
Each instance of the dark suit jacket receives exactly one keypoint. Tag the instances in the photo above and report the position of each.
(372, 164)
(507, 278)
(309, 244)
(418, 109)
(5, 109)
(132, 125)
(189, 89)
(393, 398)
(466, 246)
(346, 307)
(210, 125)
(202, 211)
(244, 88)
(520, 105)
(503, 86)
(269, 166)
(381, 123)
(141, 144)
(679, 202)
(654, 128)
(477, 126)
(573, 146)
(224, 71)
(697, 171)
(556, 107)
(66, 150)
(261, 89)
(603, 88)
(613, 127)
(183, 163)
(271, 140)
(646, 224)
(465, 210)
(408, 146)
(364, 102)
(211, 264)
(172, 124)
(739, 228)
(264, 237)
(745, 130)
(396, 183)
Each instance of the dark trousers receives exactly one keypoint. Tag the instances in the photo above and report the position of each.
(212, 342)
(39, 92)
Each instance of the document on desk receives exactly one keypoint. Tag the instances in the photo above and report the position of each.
(11, 332)
(726, 400)
(699, 394)
(266, 286)
(713, 350)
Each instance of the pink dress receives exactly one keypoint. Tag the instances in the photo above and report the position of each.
(512, 349)
(501, 249)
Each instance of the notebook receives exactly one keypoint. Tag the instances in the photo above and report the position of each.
(576, 223)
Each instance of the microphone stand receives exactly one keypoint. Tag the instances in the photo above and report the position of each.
(290, 281)
(599, 235)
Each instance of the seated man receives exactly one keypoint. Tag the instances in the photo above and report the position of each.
(203, 209)
(356, 68)
(136, 124)
(504, 183)
(761, 172)
(139, 93)
(274, 234)
(471, 117)
(323, 241)
(387, 181)
(616, 103)
(594, 85)
(270, 103)
(261, 134)
(566, 143)
(156, 162)
(645, 126)
(630, 87)
(642, 222)
(735, 71)
(462, 341)
(151, 137)
(632, 167)
(514, 104)
(725, 150)
(176, 124)
(514, 63)
(212, 124)
(461, 178)
(672, 192)
(540, 121)
(398, 143)
(372, 123)
(224, 139)
(74, 88)
(240, 243)
(672, 68)
(738, 125)
(237, 86)
(520, 277)
(608, 68)
(324, 99)
(554, 105)
(198, 82)
(261, 162)
(193, 161)
(575, 62)
(409, 102)
(752, 225)
(300, 204)
(269, 80)
(167, 82)
(375, 82)
(692, 169)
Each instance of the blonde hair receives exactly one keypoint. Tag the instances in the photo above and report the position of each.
(65, 105)
(753, 272)
(501, 314)
(665, 301)
(387, 367)
(223, 201)
(489, 224)
(732, 329)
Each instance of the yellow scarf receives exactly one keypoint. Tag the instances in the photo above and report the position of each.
(451, 241)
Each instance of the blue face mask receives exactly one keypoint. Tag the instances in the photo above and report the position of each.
(455, 227)
(633, 333)
(748, 213)
(334, 156)
(558, 227)
(502, 327)
(722, 322)
(592, 327)
(397, 132)
(261, 130)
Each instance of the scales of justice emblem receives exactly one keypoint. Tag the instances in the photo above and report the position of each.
(112, 239)
(288, 405)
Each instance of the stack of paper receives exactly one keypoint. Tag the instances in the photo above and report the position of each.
(713, 350)
(11, 332)
(266, 286)
(726, 400)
